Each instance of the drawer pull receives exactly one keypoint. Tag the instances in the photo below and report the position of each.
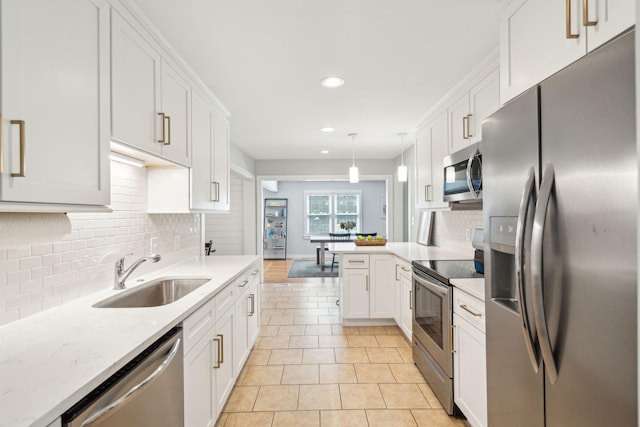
(406, 269)
(252, 310)
(217, 365)
(585, 15)
(244, 283)
(569, 34)
(473, 313)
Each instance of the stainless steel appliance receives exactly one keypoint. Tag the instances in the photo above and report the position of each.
(148, 391)
(432, 320)
(463, 175)
(560, 207)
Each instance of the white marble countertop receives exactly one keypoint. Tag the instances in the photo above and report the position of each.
(50, 360)
(473, 287)
(406, 250)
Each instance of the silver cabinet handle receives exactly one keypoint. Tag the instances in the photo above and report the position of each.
(465, 126)
(397, 278)
(427, 197)
(137, 388)
(252, 299)
(256, 271)
(356, 261)
(244, 283)
(528, 193)
(367, 282)
(411, 299)
(405, 269)
(467, 309)
(23, 142)
(215, 187)
(162, 140)
(218, 362)
(469, 134)
(546, 187)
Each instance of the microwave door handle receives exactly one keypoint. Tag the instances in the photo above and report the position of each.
(528, 194)
(469, 180)
(539, 219)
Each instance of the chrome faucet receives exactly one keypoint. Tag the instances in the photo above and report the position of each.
(122, 274)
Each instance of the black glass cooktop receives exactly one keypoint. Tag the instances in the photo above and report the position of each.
(448, 269)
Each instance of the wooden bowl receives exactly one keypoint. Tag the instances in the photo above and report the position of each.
(370, 242)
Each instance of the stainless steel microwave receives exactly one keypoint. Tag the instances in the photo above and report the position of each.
(463, 175)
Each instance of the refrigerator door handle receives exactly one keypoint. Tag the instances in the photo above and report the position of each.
(546, 187)
(528, 194)
(469, 179)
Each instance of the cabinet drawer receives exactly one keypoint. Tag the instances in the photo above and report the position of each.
(403, 268)
(469, 308)
(355, 261)
(197, 325)
(224, 300)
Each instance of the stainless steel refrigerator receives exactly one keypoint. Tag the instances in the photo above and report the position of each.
(560, 206)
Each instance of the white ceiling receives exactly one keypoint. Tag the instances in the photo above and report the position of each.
(264, 60)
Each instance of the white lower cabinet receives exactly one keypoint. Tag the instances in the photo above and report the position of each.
(469, 358)
(368, 290)
(217, 340)
(404, 292)
(382, 297)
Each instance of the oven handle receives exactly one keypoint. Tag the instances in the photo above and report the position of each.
(422, 280)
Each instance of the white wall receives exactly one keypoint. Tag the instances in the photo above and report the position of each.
(372, 222)
(37, 276)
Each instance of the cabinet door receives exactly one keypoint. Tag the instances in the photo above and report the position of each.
(424, 189)
(254, 308)
(406, 304)
(611, 17)
(240, 326)
(484, 99)
(55, 105)
(221, 162)
(176, 103)
(459, 127)
(224, 369)
(469, 364)
(202, 186)
(439, 149)
(534, 43)
(135, 88)
(382, 299)
(355, 293)
(199, 384)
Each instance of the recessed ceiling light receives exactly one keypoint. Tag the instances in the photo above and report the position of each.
(327, 130)
(332, 82)
(324, 152)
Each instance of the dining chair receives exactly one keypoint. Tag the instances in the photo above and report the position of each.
(338, 237)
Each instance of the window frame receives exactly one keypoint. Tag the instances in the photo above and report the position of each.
(332, 209)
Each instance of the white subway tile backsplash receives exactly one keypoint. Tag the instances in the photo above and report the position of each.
(40, 276)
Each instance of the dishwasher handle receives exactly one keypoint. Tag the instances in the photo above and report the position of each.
(137, 388)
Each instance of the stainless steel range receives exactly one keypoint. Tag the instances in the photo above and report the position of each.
(432, 322)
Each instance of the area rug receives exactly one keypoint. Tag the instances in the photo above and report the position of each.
(309, 268)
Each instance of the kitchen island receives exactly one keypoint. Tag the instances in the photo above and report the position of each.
(50, 360)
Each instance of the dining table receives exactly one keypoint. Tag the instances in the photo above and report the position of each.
(322, 240)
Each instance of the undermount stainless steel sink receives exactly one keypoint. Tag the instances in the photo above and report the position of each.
(153, 294)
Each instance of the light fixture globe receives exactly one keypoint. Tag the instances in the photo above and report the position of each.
(353, 170)
(402, 169)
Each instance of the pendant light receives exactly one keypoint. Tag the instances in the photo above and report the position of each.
(402, 169)
(353, 170)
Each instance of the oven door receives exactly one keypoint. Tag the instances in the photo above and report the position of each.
(432, 318)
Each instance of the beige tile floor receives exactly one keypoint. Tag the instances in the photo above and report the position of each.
(308, 370)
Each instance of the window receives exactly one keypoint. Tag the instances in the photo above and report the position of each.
(326, 210)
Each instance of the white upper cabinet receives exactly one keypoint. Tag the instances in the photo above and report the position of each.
(606, 19)
(484, 100)
(431, 148)
(54, 139)
(540, 37)
(202, 174)
(176, 103)
(221, 164)
(150, 99)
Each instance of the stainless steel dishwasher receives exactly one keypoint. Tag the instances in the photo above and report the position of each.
(148, 391)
